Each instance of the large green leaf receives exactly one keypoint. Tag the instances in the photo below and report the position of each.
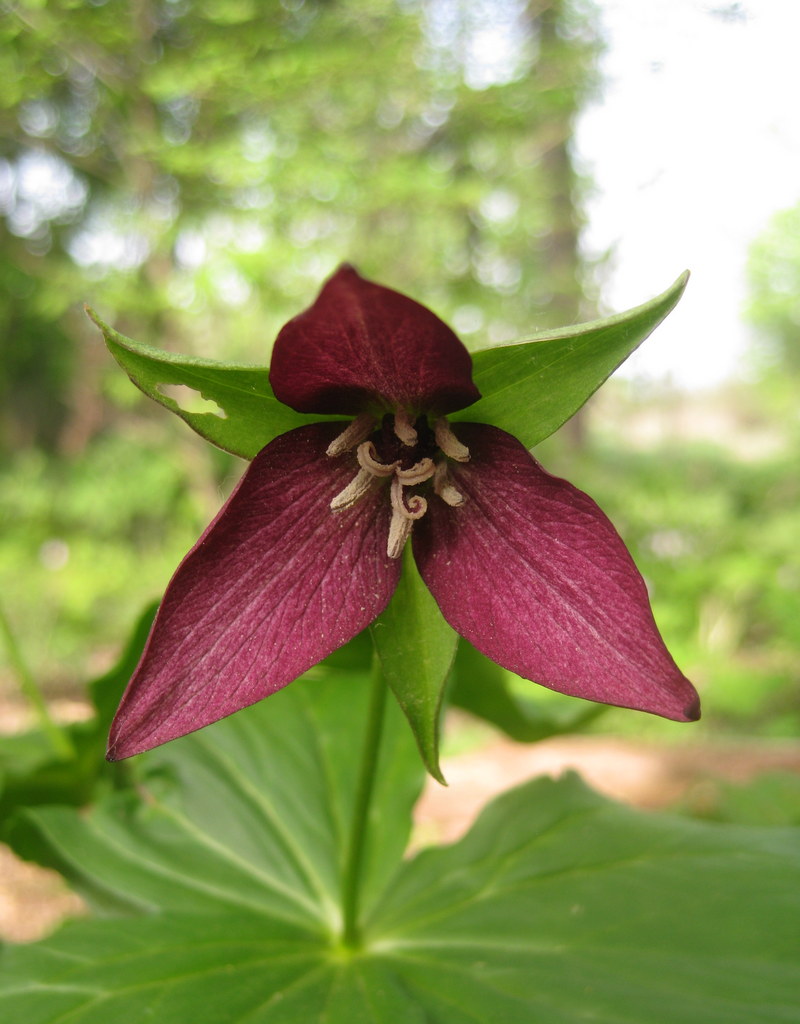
(416, 648)
(177, 969)
(252, 812)
(247, 414)
(558, 906)
(532, 386)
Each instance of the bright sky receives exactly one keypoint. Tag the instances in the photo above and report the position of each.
(694, 144)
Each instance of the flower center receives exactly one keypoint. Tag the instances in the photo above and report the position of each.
(405, 455)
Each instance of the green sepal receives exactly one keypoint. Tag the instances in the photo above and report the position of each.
(416, 648)
(250, 415)
(531, 387)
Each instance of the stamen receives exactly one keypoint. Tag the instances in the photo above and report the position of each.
(412, 507)
(406, 507)
(368, 459)
(448, 442)
(399, 532)
(417, 474)
(404, 428)
(360, 485)
(445, 489)
(404, 512)
(353, 434)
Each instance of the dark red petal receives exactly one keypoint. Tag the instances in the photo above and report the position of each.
(533, 574)
(363, 346)
(275, 584)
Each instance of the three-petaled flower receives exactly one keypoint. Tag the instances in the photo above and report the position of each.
(305, 553)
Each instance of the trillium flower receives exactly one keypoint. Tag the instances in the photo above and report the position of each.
(305, 553)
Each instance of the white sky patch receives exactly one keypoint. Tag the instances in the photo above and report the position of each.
(695, 144)
(104, 248)
(40, 188)
(486, 38)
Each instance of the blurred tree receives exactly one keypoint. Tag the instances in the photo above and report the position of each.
(193, 168)
(774, 307)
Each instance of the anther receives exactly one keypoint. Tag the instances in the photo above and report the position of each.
(448, 442)
(416, 474)
(404, 512)
(368, 459)
(360, 485)
(412, 507)
(399, 532)
(353, 434)
(444, 488)
(404, 428)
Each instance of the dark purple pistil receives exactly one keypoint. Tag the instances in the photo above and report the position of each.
(390, 448)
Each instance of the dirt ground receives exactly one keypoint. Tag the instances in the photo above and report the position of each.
(639, 774)
(33, 901)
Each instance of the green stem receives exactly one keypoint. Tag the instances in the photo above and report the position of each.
(58, 738)
(351, 886)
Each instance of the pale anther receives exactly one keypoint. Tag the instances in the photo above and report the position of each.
(412, 507)
(448, 442)
(399, 532)
(368, 459)
(360, 485)
(444, 488)
(404, 511)
(418, 473)
(353, 434)
(404, 428)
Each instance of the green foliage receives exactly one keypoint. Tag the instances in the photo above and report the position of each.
(774, 306)
(771, 799)
(32, 773)
(86, 541)
(557, 905)
(193, 170)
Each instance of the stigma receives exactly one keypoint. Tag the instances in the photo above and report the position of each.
(406, 457)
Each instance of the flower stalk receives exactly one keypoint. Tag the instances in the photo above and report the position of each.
(351, 880)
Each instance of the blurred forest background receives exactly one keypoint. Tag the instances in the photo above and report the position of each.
(193, 169)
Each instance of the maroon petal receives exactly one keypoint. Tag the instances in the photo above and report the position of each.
(275, 584)
(533, 574)
(362, 346)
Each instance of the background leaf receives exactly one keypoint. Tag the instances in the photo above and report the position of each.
(561, 906)
(484, 688)
(259, 805)
(532, 386)
(29, 773)
(249, 414)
